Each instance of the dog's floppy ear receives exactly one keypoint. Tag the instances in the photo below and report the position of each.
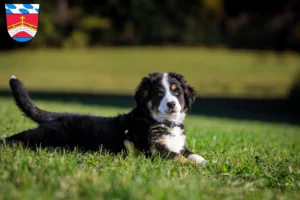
(189, 92)
(142, 91)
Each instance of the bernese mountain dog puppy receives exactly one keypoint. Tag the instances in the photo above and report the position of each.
(155, 125)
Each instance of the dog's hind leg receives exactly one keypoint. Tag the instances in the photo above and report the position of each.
(26, 138)
(45, 135)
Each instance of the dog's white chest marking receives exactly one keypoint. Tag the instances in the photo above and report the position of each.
(175, 142)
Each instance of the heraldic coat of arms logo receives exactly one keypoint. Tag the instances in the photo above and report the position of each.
(22, 21)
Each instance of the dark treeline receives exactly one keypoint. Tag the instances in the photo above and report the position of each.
(233, 23)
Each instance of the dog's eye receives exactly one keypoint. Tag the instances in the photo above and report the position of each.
(161, 93)
(176, 92)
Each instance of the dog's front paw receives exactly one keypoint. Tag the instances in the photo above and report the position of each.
(197, 158)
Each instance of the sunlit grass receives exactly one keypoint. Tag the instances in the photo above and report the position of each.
(249, 160)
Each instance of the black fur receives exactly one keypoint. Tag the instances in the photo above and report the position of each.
(143, 91)
(23, 101)
(95, 132)
(156, 133)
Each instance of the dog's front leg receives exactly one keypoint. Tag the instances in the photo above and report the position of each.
(158, 139)
(162, 142)
(193, 157)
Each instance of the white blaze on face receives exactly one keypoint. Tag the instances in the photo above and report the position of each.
(163, 107)
(162, 115)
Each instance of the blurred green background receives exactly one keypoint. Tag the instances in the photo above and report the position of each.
(230, 51)
(242, 57)
(213, 72)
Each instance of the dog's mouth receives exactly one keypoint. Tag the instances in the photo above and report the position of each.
(171, 112)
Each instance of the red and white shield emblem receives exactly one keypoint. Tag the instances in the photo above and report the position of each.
(22, 21)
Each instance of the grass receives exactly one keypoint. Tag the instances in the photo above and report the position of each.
(249, 160)
(213, 72)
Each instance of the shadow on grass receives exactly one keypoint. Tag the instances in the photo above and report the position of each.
(268, 110)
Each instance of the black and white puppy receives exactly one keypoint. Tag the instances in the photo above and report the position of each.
(154, 125)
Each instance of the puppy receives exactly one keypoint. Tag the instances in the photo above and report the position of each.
(155, 125)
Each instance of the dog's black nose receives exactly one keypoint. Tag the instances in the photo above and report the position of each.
(171, 104)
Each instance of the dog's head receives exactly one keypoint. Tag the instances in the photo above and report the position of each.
(166, 96)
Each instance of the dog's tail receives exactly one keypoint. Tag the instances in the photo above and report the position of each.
(25, 104)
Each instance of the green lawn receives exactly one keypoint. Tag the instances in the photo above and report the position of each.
(214, 72)
(249, 160)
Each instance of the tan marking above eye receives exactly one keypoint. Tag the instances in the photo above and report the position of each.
(174, 87)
